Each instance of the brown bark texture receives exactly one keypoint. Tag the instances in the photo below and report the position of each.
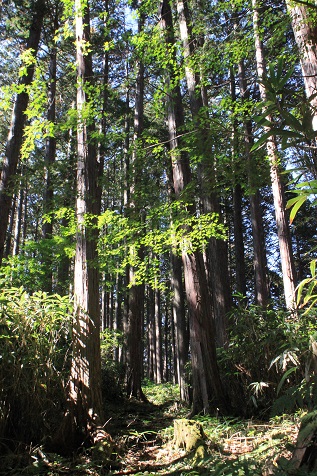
(136, 292)
(85, 401)
(259, 249)
(305, 32)
(18, 119)
(206, 381)
(283, 232)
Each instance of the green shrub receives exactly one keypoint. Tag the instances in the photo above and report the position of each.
(112, 371)
(267, 358)
(34, 362)
(158, 394)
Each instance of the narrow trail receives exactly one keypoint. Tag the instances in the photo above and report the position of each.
(143, 435)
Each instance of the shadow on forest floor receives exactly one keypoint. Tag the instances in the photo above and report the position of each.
(143, 435)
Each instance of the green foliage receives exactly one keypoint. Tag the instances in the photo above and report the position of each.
(303, 191)
(28, 269)
(294, 127)
(310, 286)
(267, 358)
(158, 394)
(280, 117)
(34, 361)
(306, 290)
(165, 227)
(112, 371)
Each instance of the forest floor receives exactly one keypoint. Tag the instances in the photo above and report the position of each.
(143, 435)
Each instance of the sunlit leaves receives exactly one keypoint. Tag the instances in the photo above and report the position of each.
(164, 229)
(307, 289)
(279, 118)
(303, 191)
(27, 59)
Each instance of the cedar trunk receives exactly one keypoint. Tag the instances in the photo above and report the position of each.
(136, 292)
(85, 382)
(18, 119)
(259, 248)
(283, 232)
(206, 382)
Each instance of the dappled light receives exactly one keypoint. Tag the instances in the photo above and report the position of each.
(158, 184)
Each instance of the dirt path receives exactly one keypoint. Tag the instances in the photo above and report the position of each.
(143, 435)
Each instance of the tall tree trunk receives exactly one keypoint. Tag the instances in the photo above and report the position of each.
(283, 232)
(151, 343)
(10, 232)
(180, 326)
(64, 266)
(304, 25)
(158, 337)
(19, 221)
(217, 250)
(259, 248)
(85, 384)
(15, 137)
(50, 152)
(136, 292)
(237, 195)
(207, 386)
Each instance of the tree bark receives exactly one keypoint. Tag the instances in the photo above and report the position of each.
(50, 152)
(283, 232)
(158, 338)
(18, 119)
(136, 292)
(85, 383)
(259, 249)
(180, 325)
(206, 380)
(217, 260)
(305, 32)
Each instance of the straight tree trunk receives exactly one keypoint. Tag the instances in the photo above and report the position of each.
(151, 343)
(18, 119)
(64, 266)
(50, 153)
(158, 338)
(207, 386)
(85, 383)
(180, 326)
(304, 26)
(283, 232)
(218, 274)
(136, 292)
(259, 248)
(19, 220)
(10, 234)
(241, 284)
(237, 195)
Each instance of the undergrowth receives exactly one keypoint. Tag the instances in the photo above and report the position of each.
(234, 446)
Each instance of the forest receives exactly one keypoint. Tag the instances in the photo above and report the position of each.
(158, 282)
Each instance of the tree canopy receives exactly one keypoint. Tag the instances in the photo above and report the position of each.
(158, 188)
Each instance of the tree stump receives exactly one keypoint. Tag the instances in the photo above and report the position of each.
(189, 435)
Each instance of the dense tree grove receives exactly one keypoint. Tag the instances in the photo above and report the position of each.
(158, 170)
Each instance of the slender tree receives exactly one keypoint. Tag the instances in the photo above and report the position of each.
(259, 248)
(283, 233)
(18, 119)
(136, 291)
(50, 154)
(303, 16)
(217, 257)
